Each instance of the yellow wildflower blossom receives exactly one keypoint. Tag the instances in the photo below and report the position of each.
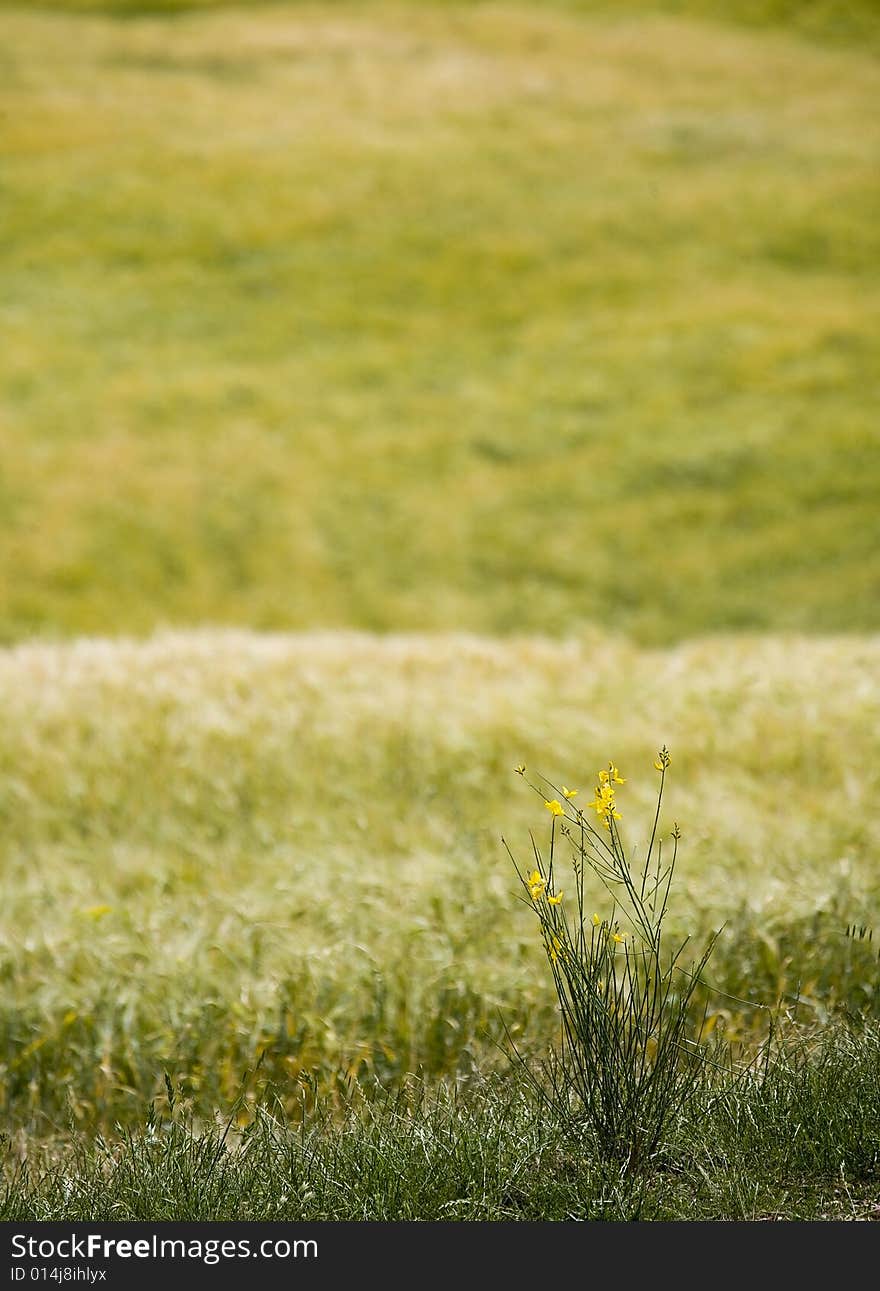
(568, 793)
(603, 803)
(612, 775)
(555, 807)
(554, 900)
(537, 885)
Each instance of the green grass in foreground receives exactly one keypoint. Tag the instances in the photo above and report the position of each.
(580, 320)
(219, 844)
(797, 1140)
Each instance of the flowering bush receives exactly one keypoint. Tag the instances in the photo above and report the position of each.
(630, 1057)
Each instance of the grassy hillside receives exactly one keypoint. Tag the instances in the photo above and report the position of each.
(504, 319)
(218, 843)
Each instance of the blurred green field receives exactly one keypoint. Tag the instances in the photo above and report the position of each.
(846, 21)
(440, 317)
(218, 843)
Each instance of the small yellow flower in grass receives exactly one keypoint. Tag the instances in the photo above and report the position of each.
(596, 921)
(555, 807)
(555, 947)
(554, 900)
(568, 793)
(663, 760)
(537, 885)
(617, 938)
(520, 768)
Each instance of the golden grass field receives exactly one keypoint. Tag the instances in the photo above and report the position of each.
(217, 842)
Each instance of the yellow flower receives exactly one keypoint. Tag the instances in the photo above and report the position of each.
(537, 884)
(555, 807)
(617, 938)
(664, 759)
(555, 947)
(568, 793)
(555, 900)
(596, 921)
(604, 801)
(611, 775)
(520, 768)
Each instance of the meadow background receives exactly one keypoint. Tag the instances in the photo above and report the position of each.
(392, 393)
